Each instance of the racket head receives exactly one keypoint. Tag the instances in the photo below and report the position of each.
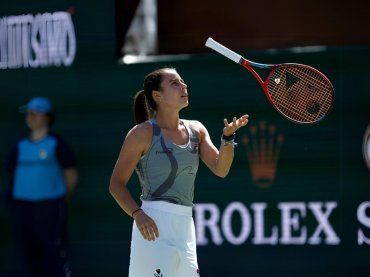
(299, 92)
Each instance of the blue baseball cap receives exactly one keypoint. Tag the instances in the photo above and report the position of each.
(38, 104)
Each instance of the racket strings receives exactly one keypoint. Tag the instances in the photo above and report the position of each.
(318, 84)
(323, 85)
(300, 93)
(300, 87)
(301, 98)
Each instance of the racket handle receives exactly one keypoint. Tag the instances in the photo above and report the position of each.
(223, 50)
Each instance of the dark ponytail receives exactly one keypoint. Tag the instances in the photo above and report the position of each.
(141, 111)
(144, 104)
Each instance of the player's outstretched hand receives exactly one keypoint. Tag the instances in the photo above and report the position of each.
(230, 128)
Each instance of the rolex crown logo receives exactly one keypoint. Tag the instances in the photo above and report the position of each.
(263, 144)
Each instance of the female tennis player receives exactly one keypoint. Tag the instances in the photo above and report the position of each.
(165, 150)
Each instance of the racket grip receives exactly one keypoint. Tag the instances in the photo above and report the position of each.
(223, 50)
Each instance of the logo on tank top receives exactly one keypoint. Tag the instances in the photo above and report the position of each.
(43, 154)
(157, 273)
(263, 143)
(194, 144)
(165, 151)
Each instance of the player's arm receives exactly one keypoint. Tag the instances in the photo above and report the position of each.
(219, 160)
(135, 145)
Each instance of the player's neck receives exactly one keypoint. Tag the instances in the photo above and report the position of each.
(168, 121)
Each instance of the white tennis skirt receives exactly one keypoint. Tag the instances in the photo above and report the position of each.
(173, 253)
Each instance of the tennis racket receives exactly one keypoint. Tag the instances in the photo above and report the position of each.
(299, 92)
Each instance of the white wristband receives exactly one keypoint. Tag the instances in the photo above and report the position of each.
(228, 142)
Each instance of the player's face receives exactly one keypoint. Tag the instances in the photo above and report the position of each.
(35, 120)
(173, 90)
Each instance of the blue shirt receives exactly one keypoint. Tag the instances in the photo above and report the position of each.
(38, 168)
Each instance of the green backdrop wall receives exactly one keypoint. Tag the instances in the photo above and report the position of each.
(319, 164)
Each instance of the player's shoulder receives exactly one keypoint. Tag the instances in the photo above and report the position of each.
(143, 130)
(195, 124)
(197, 127)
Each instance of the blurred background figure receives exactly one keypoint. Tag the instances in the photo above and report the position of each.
(41, 171)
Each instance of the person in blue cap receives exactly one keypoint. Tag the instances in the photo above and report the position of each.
(41, 172)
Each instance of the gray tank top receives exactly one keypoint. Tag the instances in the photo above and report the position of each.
(167, 171)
